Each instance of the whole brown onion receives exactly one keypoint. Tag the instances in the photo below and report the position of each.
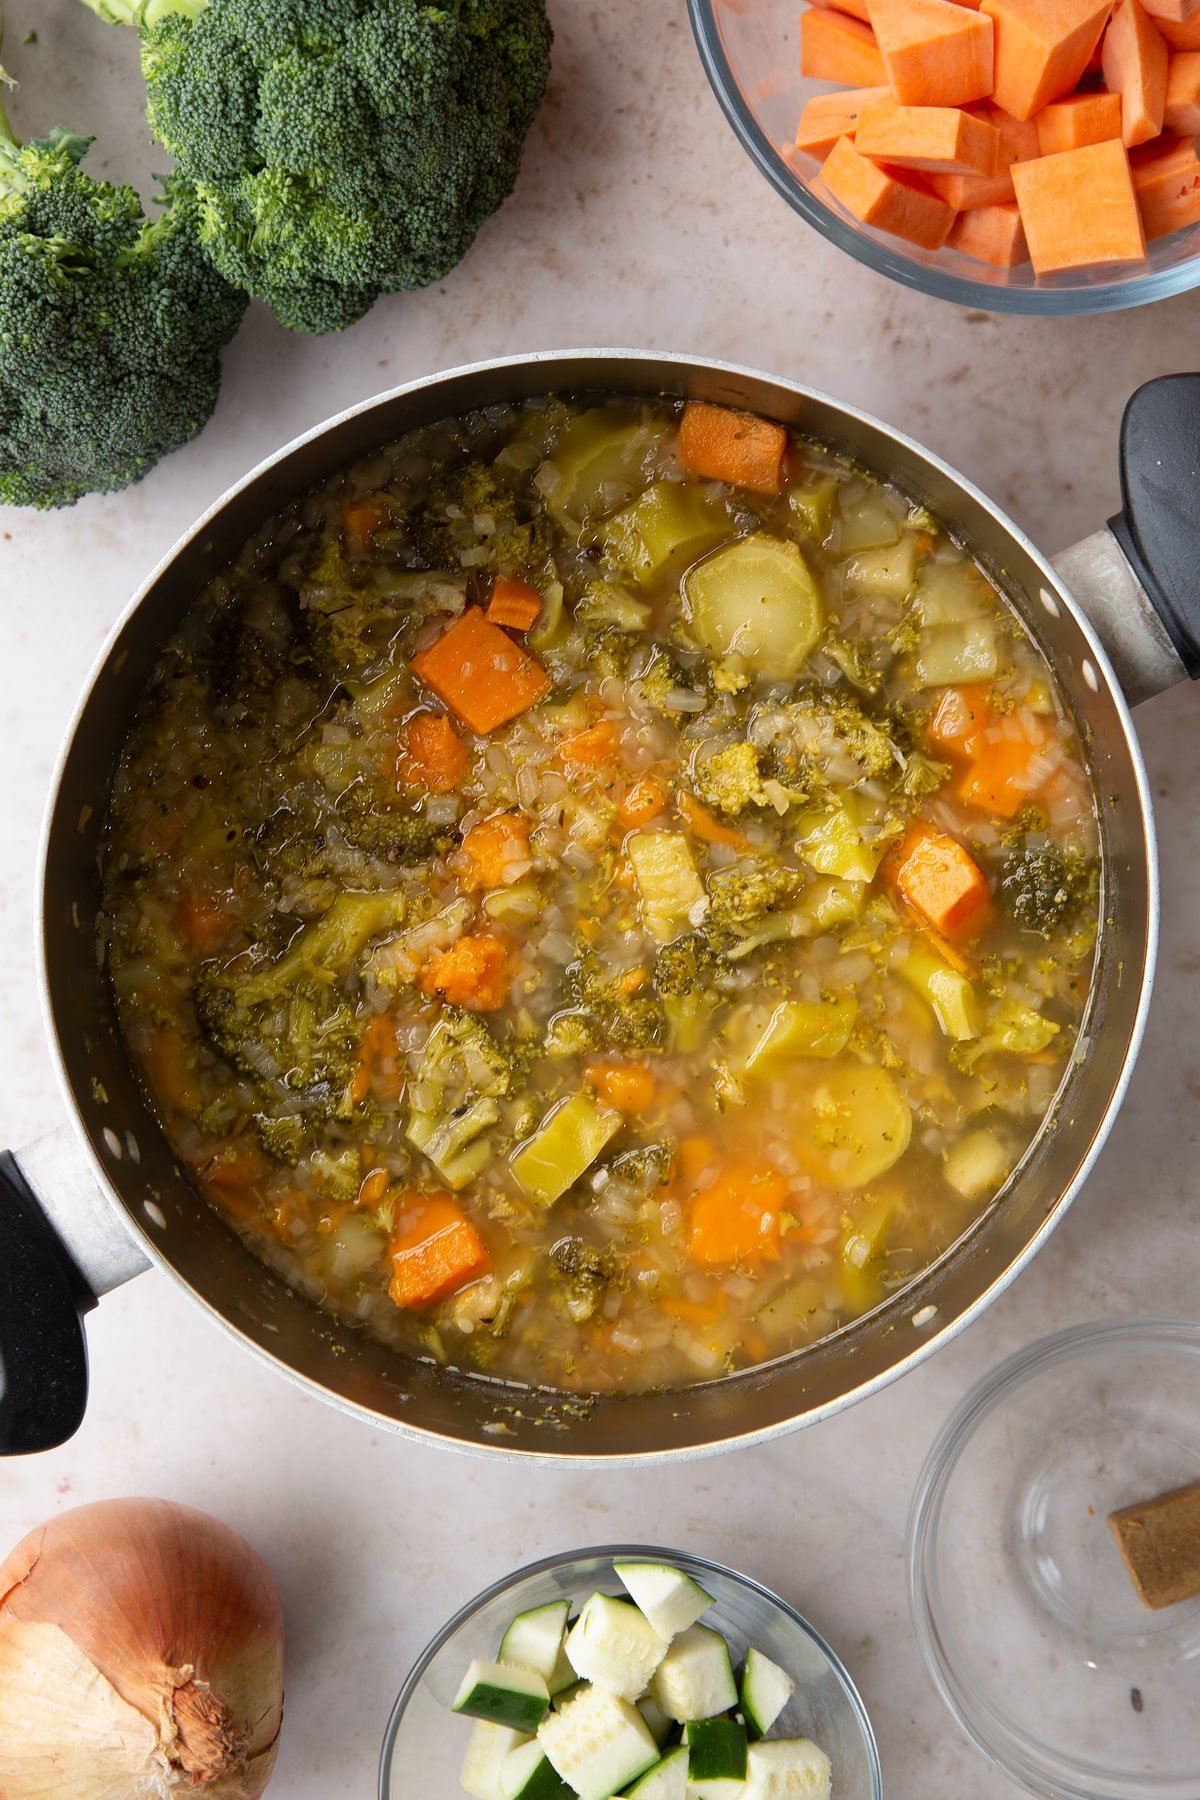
(141, 1654)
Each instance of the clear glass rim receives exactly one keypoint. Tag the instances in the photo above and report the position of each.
(609, 1552)
(1060, 302)
(1016, 1754)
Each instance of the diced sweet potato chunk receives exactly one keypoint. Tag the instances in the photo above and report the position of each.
(1079, 209)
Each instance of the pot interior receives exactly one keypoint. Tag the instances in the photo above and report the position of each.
(130, 1152)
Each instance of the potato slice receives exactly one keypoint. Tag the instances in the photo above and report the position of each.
(756, 600)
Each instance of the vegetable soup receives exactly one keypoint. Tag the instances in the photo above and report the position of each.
(602, 894)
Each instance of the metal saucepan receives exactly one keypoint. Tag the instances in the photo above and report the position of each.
(89, 1206)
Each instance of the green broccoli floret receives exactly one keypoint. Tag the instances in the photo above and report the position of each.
(646, 1168)
(748, 907)
(288, 1024)
(388, 834)
(463, 1057)
(1042, 886)
(297, 1037)
(471, 506)
(340, 149)
(665, 673)
(284, 1136)
(730, 780)
(615, 1019)
(684, 965)
(583, 1272)
(111, 325)
(352, 623)
(803, 741)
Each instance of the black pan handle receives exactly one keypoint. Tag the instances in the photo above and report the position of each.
(43, 1299)
(1159, 526)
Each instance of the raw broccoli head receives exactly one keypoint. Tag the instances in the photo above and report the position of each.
(340, 149)
(111, 325)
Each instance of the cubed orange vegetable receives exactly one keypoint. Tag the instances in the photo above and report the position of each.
(736, 1220)
(513, 603)
(1134, 59)
(628, 1087)
(1002, 776)
(1166, 180)
(1181, 112)
(168, 1066)
(592, 748)
(1042, 49)
(1180, 34)
(944, 139)
(481, 673)
(941, 881)
(434, 1250)
(1077, 120)
(233, 1179)
(934, 52)
(644, 801)
(473, 973)
(856, 8)
(719, 444)
(204, 922)
(962, 716)
(433, 758)
(891, 200)
(361, 519)
(828, 117)
(1018, 142)
(835, 47)
(694, 1156)
(990, 234)
(1079, 209)
(1172, 12)
(379, 1068)
(497, 852)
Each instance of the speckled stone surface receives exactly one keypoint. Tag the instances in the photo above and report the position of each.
(638, 221)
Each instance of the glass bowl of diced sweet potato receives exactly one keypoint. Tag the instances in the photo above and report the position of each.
(1021, 155)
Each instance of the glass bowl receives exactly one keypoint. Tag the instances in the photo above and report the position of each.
(424, 1743)
(751, 53)
(1025, 1614)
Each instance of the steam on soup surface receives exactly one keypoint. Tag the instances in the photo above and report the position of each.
(602, 894)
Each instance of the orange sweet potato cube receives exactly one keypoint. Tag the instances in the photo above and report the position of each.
(892, 200)
(942, 139)
(1018, 142)
(1181, 112)
(1042, 48)
(990, 234)
(1079, 208)
(1166, 180)
(1134, 60)
(828, 117)
(835, 47)
(1079, 119)
(934, 52)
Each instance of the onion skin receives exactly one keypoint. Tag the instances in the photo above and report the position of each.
(167, 1627)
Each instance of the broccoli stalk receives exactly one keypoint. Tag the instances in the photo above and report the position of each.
(111, 324)
(339, 149)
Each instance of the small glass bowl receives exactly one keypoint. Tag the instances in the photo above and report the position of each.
(1024, 1612)
(424, 1743)
(751, 54)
